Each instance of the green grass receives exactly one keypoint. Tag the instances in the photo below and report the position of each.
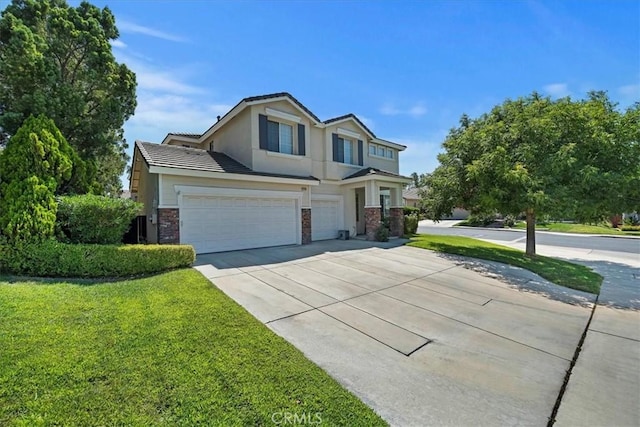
(578, 228)
(557, 271)
(165, 350)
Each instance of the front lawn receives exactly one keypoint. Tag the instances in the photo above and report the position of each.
(165, 350)
(560, 272)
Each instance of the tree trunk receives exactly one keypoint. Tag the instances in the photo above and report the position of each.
(531, 233)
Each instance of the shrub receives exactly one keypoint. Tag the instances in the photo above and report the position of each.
(410, 224)
(410, 210)
(95, 219)
(630, 227)
(55, 259)
(480, 220)
(35, 162)
(509, 221)
(382, 234)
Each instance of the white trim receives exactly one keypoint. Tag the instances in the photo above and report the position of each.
(229, 176)
(168, 207)
(380, 178)
(160, 190)
(373, 206)
(235, 192)
(397, 146)
(282, 115)
(285, 155)
(396, 207)
(348, 132)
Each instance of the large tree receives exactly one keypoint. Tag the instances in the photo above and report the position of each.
(536, 156)
(56, 60)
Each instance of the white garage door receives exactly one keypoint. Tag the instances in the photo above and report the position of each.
(220, 223)
(325, 219)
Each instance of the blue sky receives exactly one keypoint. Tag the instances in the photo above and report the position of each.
(408, 69)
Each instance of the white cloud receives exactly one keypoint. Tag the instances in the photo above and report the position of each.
(416, 110)
(159, 114)
(557, 90)
(421, 155)
(632, 90)
(118, 43)
(132, 28)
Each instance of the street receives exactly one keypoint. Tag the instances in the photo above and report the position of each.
(601, 243)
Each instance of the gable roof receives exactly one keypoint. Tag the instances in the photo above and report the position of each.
(252, 100)
(353, 117)
(366, 172)
(173, 156)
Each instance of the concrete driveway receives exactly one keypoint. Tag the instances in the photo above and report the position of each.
(420, 339)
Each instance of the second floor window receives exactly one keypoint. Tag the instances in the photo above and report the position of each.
(347, 151)
(280, 135)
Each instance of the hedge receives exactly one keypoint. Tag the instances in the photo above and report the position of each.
(410, 224)
(94, 219)
(55, 259)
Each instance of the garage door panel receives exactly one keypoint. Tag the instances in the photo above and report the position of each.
(218, 223)
(325, 219)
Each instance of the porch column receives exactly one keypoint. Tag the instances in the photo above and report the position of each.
(396, 212)
(372, 215)
(305, 215)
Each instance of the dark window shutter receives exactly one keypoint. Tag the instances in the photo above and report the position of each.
(341, 150)
(360, 153)
(301, 141)
(335, 147)
(273, 136)
(262, 132)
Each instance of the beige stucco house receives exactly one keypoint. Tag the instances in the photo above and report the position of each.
(268, 173)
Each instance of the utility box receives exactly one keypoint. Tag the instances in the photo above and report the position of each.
(343, 234)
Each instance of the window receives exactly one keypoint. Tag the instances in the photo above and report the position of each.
(380, 151)
(280, 135)
(348, 150)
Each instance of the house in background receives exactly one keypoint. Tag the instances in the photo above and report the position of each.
(411, 197)
(268, 173)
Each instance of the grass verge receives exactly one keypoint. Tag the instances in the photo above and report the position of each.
(560, 272)
(564, 227)
(165, 350)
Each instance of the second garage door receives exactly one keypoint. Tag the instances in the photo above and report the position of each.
(325, 219)
(218, 223)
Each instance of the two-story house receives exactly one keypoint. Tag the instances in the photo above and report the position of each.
(268, 173)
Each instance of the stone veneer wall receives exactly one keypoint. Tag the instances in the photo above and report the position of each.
(168, 226)
(396, 222)
(372, 220)
(306, 225)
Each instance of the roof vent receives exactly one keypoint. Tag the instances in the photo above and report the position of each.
(218, 118)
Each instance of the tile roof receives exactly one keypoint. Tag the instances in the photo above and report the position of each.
(411, 193)
(373, 171)
(172, 156)
(346, 116)
(188, 135)
(280, 95)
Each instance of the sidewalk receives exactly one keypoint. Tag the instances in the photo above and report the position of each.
(604, 387)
